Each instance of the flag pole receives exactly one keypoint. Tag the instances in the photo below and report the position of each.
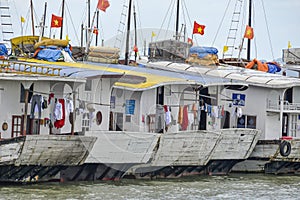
(62, 21)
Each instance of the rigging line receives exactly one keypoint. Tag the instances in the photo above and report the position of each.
(265, 15)
(190, 21)
(140, 24)
(165, 18)
(170, 19)
(254, 24)
(222, 20)
(76, 36)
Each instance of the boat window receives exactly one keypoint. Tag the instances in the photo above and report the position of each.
(88, 85)
(247, 121)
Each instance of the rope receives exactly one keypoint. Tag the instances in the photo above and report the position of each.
(76, 35)
(265, 15)
(222, 20)
(164, 19)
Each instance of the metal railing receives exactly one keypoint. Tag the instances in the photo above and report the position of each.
(272, 105)
(28, 68)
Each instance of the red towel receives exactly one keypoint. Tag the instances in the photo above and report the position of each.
(185, 120)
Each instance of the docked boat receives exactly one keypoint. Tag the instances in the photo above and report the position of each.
(31, 151)
(130, 124)
(269, 104)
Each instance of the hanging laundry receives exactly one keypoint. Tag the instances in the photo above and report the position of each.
(185, 119)
(195, 109)
(199, 113)
(51, 96)
(180, 115)
(36, 105)
(59, 114)
(168, 115)
(239, 112)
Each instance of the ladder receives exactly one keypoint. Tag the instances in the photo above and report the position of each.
(119, 42)
(6, 22)
(231, 38)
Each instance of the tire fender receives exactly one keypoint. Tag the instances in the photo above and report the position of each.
(285, 148)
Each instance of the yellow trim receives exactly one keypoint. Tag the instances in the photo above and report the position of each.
(151, 79)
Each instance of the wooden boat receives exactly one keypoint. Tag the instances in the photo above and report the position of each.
(31, 151)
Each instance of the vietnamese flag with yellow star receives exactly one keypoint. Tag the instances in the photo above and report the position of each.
(56, 21)
(198, 28)
(249, 33)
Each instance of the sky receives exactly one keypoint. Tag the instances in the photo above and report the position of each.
(275, 22)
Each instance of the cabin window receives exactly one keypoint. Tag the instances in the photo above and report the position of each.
(247, 121)
(22, 93)
(168, 91)
(85, 122)
(128, 118)
(88, 85)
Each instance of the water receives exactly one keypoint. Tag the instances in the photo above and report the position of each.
(236, 186)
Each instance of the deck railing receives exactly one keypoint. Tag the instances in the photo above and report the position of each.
(272, 105)
(28, 68)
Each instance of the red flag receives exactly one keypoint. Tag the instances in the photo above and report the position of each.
(95, 30)
(56, 21)
(135, 49)
(249, 32)
(103, 4)
(190, 41)
(198, 28)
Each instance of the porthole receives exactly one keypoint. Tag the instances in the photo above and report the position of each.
(99, 117)
(4, 126)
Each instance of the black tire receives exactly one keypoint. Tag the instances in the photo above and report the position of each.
(285, 148)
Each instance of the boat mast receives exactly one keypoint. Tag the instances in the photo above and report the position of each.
(32, 19)
(135, 33)
(177, 21)
(62, 16)
(128, 31)
(44, 19)
(97, 27)
(249, 23)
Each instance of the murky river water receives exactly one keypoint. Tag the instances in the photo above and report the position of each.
(236, 186)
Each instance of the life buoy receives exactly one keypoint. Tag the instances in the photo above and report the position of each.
(285, 148)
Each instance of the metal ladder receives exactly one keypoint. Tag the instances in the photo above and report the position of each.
(6, 22)
(231, 38)
(119, 42)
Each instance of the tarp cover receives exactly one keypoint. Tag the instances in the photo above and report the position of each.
(52, 53)
(3, 50)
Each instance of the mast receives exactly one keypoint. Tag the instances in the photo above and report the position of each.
(177, 21)
(97, 26)
(135, 33)
(44, 19)
(128, 31)
(62, 16)
(249, 23)
(32, 19)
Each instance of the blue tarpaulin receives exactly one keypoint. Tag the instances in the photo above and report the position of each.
(3, 50)
(52, 53)
(49, 54)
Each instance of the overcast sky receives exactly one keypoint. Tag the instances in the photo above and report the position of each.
(282, 25)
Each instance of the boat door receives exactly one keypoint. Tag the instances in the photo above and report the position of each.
(285, 123)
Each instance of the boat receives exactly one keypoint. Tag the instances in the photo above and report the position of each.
(133, 138)
(30, 151)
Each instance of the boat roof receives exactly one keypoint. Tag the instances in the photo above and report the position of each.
(137, 77)
(249, 76)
